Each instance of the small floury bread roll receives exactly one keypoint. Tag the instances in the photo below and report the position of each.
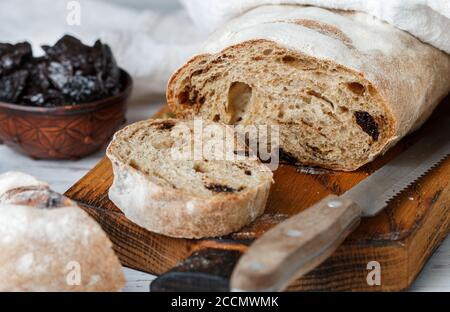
(343, 86)
(48, 243)
(185, 197)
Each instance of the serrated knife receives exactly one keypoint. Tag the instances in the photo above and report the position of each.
(301, 243)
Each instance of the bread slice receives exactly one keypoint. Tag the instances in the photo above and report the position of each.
(343, 86)
(190, 197)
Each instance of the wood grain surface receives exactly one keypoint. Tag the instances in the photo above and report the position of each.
(297, 246)
(401, 238)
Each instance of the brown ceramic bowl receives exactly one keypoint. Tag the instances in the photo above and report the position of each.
(63, 132)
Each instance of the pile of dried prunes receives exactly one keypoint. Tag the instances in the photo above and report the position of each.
(69, 73)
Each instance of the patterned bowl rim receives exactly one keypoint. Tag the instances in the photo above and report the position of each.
(77, 108)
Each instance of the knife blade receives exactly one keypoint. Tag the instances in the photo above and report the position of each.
(373, 193)
(301, 243)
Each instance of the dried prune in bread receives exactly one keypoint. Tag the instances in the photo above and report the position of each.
(192, 196)
(338, 105)
(368, 124)
(221, 188)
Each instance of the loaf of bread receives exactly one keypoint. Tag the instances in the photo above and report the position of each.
(342, 86)
(161, 185)
(48, 243)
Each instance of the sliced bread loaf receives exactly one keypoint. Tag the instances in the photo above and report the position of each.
(343, 86)
(190, 195)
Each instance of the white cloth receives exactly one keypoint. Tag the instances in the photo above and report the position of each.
(427, 20)
(149, 45)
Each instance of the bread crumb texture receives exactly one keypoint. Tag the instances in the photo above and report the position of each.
(168, 184)
(342, 86)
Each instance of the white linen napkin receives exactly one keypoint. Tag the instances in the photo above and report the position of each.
(427, 20)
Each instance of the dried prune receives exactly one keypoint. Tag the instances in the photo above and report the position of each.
(12, 56)
(38, 74)
(221, 188)
(11, 86)
(59, 73)
(368, 124)
(72, 50)
(164, 125)
(69, 73)
(81, 89)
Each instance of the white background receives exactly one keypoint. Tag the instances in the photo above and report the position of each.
(162, 5)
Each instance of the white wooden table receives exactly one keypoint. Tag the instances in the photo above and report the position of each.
(63, 174)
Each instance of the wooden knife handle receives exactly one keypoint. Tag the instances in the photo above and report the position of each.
(296, 246)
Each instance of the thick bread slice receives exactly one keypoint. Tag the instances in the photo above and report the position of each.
(343, 86)
(190, 197)
(48, 243)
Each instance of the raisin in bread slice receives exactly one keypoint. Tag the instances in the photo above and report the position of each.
(343, 86)
(185, 196)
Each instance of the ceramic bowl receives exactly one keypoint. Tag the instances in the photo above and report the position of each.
(64, 132)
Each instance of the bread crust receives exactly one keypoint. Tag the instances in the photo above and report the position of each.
(406, 78)
(177, 213)
(47, 240)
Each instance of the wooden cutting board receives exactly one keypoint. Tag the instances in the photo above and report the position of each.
(401, 238)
